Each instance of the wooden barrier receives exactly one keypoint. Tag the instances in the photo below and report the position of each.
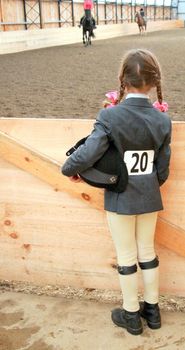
(28, 40)
(21, 14)
(58, 233)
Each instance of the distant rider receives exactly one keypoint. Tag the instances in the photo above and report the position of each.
(88, 5)
(142, 13)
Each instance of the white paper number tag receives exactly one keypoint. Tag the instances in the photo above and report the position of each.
(139, 162)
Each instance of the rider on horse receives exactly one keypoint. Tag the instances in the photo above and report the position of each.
(141, 20)
(142, 13)
(88, 5)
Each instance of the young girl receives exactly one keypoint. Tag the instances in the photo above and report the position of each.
(142, 135)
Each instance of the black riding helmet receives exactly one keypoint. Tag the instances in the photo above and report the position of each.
(109, 172)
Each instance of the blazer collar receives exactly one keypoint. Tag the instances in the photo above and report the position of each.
(136, 101)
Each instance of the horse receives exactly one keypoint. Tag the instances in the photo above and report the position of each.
(141, 22)
(87, 26)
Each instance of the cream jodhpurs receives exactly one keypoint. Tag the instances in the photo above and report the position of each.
(133, 236)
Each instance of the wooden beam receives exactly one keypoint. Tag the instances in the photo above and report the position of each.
(49, 170)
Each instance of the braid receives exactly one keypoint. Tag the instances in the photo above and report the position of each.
(121, 91)
(159, 91)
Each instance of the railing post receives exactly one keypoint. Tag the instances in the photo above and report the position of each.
(154, 10)
(40, 12)
(59, 14)
(25, 17)
(72, 13)
(131, 10)
(163, 9)
(116, 10)
(145, 8)
(97, 14)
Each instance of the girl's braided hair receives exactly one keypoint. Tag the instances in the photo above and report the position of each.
(140, 68)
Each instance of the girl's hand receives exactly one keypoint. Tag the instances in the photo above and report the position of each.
(75, 178)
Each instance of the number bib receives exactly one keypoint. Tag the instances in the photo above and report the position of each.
(139, 162)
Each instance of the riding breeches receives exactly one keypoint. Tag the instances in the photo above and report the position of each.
(133, 237)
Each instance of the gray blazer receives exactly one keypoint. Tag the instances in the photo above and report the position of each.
(142, 134)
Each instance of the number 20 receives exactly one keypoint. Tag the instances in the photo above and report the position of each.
(141, 162)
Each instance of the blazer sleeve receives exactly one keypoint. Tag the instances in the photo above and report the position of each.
(92, 150)
(163, 159)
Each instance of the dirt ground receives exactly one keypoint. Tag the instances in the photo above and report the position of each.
(70, 81)
(32, 322)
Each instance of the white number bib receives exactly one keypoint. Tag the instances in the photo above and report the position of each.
(139, 162)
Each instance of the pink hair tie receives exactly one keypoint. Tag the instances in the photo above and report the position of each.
(113, 99)
(163, 107)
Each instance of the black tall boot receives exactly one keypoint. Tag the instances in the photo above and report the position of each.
(151, 313)
(129, 320)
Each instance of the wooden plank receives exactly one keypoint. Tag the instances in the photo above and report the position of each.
(50, 13)
(48, 170)
(13, 15)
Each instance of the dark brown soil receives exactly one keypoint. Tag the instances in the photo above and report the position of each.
(70, 81)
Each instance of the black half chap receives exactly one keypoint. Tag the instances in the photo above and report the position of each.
(149, 264)
(127, 270)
